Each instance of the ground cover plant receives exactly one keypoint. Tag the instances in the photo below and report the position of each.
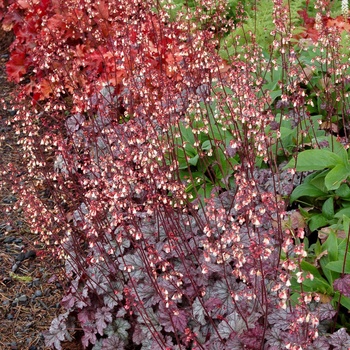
(171, 140)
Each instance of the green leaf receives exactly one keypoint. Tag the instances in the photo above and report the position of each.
(331, 245)
(328, 208)
(306, 190)
(194, 160)
(329, 274)
(318, 248)
(340, 213)
(286, 131)
(206, 145)
(295, 299)
(205, 190)
(317, 180)
(336, 176)
(345, 301)
(187, 134)
(346, 223)
(316, 221)
(121, 326)
(275, 94)
(337, 266)
(337, 148)
(314, 159)
(318, 283)
(343, 191)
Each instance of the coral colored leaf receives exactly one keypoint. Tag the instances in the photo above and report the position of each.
(339, 22)
(24, 4)
(45, 89)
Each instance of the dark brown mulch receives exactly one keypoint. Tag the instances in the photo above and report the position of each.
(30, 293)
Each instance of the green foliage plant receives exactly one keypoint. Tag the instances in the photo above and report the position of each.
(324, 201)
(325, 193)
(258, 26)
(203, 161)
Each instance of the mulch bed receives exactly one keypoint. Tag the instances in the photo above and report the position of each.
(30, 291)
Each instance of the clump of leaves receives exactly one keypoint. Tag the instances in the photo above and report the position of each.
(325, 193)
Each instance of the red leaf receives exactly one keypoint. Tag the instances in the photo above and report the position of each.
(56, 22)
(11, 19)
(102, 8)
(16, 67)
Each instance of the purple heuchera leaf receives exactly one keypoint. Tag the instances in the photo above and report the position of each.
(280, 319)
(103, 317)
(343, 285)
(274, 338)
(198, 311)
(147, 294)
(138, 335)
(112, 343)
(74, 122)
(321, 343)
(57, 332)
(86, 318)
(172, 317)
(214, 345)
(253, 338)
(326, 312)
(89, 336)
(68, 301)
(231, 325)
(340, 340)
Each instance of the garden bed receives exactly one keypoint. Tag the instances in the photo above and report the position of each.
(30, 288)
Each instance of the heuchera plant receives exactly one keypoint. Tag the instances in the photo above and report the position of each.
(117, 104)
